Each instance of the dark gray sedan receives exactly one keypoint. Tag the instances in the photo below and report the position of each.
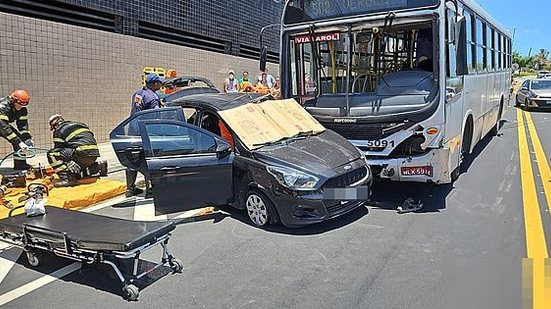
(534, 93)
(270, 158)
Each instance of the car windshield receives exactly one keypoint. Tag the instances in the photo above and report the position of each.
(269, 122)
(541, 85)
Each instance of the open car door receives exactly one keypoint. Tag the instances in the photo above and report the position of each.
(127, 141)
(189, 167)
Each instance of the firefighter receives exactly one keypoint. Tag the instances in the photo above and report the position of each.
(143, 99)
(13, 109)
(75, 150)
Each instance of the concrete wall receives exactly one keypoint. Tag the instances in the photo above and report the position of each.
(90, 75)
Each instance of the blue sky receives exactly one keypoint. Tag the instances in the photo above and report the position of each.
(530, 18)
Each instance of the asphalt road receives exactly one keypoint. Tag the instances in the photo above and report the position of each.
(464, 249)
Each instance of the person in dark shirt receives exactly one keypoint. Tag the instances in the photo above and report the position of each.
(143, 99)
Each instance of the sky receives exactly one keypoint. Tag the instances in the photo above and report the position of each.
(530, 20)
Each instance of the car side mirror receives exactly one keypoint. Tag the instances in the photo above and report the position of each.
(263, 58)
(223, 150)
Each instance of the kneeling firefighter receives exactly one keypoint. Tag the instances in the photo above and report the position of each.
(13, 108)
(75, 151)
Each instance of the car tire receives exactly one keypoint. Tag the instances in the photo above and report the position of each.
(260, 209)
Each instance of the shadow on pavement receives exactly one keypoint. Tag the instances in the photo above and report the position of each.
(314, 229)
(98, 276)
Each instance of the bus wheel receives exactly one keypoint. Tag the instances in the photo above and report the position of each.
(495, 129)
(465, 148)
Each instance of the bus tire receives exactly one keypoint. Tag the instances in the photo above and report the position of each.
(465, 148)
(495, 129)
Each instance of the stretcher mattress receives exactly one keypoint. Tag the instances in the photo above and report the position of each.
(90, 231)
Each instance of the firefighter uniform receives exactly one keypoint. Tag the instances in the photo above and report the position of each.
(16, 136)
(75, 149)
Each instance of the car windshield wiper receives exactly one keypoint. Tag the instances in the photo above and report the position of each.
(303, 134)
(285, 139)
(270, 143)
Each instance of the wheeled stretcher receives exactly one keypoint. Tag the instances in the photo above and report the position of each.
(91, 239)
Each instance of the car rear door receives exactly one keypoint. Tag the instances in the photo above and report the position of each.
(189, 167)
(127, 141)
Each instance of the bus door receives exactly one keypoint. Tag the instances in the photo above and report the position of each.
(454, 97)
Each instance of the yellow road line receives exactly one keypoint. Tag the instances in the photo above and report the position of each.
(540, 268)
(535, 239)
(545, 172)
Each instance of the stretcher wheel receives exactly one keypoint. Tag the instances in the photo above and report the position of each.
(34, 261)
(131, 292)
(176, 265)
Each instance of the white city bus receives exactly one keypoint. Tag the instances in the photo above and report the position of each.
(414, 84)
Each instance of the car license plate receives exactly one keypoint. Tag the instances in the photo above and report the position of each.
(380, 143)
(417, 171)
(346, 194)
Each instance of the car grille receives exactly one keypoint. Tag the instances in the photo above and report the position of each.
(347, 179)
(339, 208)
(355, 131)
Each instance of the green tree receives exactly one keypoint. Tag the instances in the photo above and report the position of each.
(524, 62)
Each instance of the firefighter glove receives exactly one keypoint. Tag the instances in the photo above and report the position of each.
(73, 167)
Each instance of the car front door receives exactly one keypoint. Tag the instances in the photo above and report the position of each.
(189, 167)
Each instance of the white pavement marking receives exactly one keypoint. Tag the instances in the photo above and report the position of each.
(145, 211)
(8, 259)
(38, 283)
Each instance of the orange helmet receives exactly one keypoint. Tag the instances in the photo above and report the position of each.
(21, 97)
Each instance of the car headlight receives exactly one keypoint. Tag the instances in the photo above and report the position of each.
(293, 179)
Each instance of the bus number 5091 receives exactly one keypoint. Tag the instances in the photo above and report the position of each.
(380, 143)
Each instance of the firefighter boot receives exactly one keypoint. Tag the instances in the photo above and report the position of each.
(21, 165)
(103, 168)
(66, 180)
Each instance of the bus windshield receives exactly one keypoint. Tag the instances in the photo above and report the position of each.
(354, 60)
(299, 11)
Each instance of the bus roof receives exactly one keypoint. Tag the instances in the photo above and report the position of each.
(471, 4)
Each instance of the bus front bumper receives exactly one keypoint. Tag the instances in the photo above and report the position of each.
(431, 167)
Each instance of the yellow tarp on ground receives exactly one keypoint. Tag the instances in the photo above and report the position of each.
(74, 198)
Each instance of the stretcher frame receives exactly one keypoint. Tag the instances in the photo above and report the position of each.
(38, 238)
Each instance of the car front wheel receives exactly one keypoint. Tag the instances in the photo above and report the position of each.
(259, 208)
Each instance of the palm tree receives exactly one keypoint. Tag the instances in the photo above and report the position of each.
(541, 58)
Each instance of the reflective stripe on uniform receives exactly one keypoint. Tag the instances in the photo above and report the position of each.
(11, 136)
(23, 118)
(76, 132)
(87, 147)
(59, 140)
(4, 117)
(61, 168)
(25, 132)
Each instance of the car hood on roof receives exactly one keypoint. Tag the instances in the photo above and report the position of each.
(320, 154)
